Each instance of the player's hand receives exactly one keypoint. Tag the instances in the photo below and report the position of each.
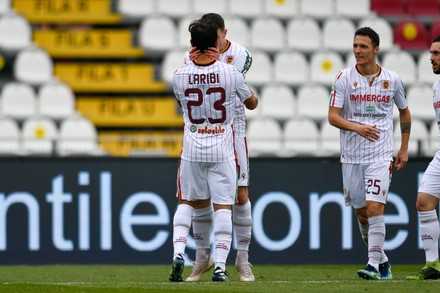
(213, 53)
(401, 159)
(370, 132)
(194, 53)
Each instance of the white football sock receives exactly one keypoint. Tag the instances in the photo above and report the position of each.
(376, 239)
(242, 220)
(223, 236)
(429, 232)
(181, 226)
(202, 222)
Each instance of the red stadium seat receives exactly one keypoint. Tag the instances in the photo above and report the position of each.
(423, 7)
(411, 35)
(434, 30)
(389, 7)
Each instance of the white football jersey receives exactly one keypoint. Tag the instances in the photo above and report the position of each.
(367, 100)
(240, 57)
(207, 94)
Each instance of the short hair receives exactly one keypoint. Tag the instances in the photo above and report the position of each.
(368, 32)
(203, 34)
(436, 39)
(215, 18)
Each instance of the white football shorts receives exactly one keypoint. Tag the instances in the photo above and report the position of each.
(206, 180)
(430, 183)
(366, 182)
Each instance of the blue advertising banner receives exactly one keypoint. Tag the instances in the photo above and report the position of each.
(120, 211)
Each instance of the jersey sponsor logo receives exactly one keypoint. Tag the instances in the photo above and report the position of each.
(370, 98)
(386, 84)
(369, 109)
(208, 130)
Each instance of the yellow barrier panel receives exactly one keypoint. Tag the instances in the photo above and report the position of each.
(150, 144)
(109, 77)
(67, 11)
(129, 112)
(87, 43)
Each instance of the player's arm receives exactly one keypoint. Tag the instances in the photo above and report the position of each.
(335, 118)
(405, 130)
(252, 102)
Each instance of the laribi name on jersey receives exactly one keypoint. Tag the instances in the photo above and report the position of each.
(210, 130)
(204, 78)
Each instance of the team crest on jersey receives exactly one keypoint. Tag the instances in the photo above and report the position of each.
(229, 59)
(355, 84)
(386, 84)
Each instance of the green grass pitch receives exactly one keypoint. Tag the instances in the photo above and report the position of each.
(154, 278)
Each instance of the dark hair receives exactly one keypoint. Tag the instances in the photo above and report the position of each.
(203, 34)
(436, 39)
(368, 32)
(215, 18)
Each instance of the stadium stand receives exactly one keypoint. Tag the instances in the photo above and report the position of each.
(135, 10)
(174, 9)
(9, 137)
(67, 11)
(33, 65)
(38, 136)
(55, 100)
(337, 33)
(318, 9)
(277, 101)
(264, 137)
(206, 6)
(267, 34)
(383, 28)
(238, 30)
(424, 69)
(355, 10)
(132, 111)
(247, 9)
(301, 137)
(262, 69)
(113, 62)
(87, 43)
(304, 34)
(411, 35)
(157, 34)
(18, 100)
(403, 63)
(324, 65)
(419, 98)
(78, 136)
(15, 32)
(283, 63)
(312, 101)
(283, 10)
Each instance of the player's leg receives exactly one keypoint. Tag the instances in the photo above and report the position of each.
(192, 192)
(377, 181)
(427, 202)
(222, 181)
(354, 195)
(242, 213)
(202, 222)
